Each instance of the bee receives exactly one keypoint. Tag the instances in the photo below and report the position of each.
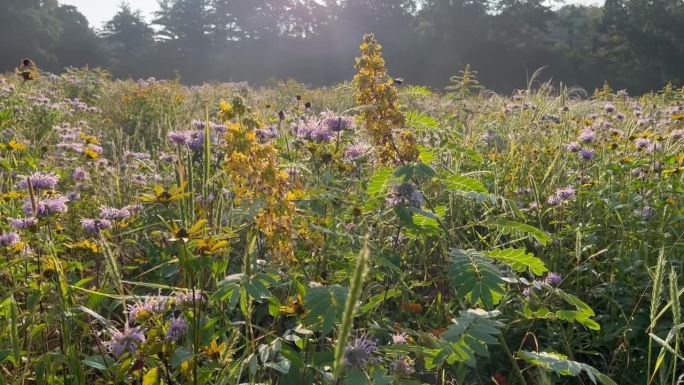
(27, 71)
(294, 308)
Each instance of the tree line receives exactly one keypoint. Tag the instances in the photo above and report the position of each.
(631, 44)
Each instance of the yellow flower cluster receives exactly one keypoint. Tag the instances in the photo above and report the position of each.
(377, 96)
(255, 176)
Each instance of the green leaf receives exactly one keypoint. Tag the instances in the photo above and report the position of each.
(579, 304)
(180, 355)
(520, 229)
(404, 215)
(379, 181)
(325, 305)
(465, 184)
(560, 364)
(152, 377)
(421, 121)
(475, 277)
(472, 154)
(469, 335)
(426, 155)
(519, 259)
(379, 298)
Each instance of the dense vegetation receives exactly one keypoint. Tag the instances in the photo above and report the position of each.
(368, 233)
(633, 44)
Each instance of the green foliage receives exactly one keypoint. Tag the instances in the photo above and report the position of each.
(520, 229)
(519, 259)
(325, 305)
(465, 184)
(466, 338)
(560, 364)
(475, 277)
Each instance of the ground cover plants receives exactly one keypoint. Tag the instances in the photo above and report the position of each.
(368, 233)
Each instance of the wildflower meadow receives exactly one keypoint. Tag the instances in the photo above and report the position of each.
(371, 232)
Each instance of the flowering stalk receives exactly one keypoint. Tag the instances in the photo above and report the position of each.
(348, 316)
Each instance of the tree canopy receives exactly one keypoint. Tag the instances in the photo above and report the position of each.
(631, 44)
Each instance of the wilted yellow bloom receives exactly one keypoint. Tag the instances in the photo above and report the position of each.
(16, 146)
(211, 246)
(85, 245)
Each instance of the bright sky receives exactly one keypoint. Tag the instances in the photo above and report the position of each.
(100, 11)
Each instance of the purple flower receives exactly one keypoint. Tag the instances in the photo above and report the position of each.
(53, 205)
(147, 306)
(39, 181)
(643, 122)
(609, 108)
(677, 134)
(403, 366)
(95, 225)
(642, 143)
(337, 123)
(9, 239)
(356, 150)
(553, 200)
(95, 148)
(587, 153)
(137, 155)
(79, 174)
(127, 340)
(572, 147)
(139, 179)
(167, 158)
(220, 128)
(587, 135)
(73, 196)
(560, 196)
(399, 338)
(321, 134)
(196, 142)
(133, 209)
(265, 134)
(23, 223)
(179, 137)
(361, 352)
(313, 130)
(114, 214)
(177, 328)
(416, 199)
(553, 279)
(645, 212)
(198, 124)
(181, 298)
(566, 192)
(406, 194)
